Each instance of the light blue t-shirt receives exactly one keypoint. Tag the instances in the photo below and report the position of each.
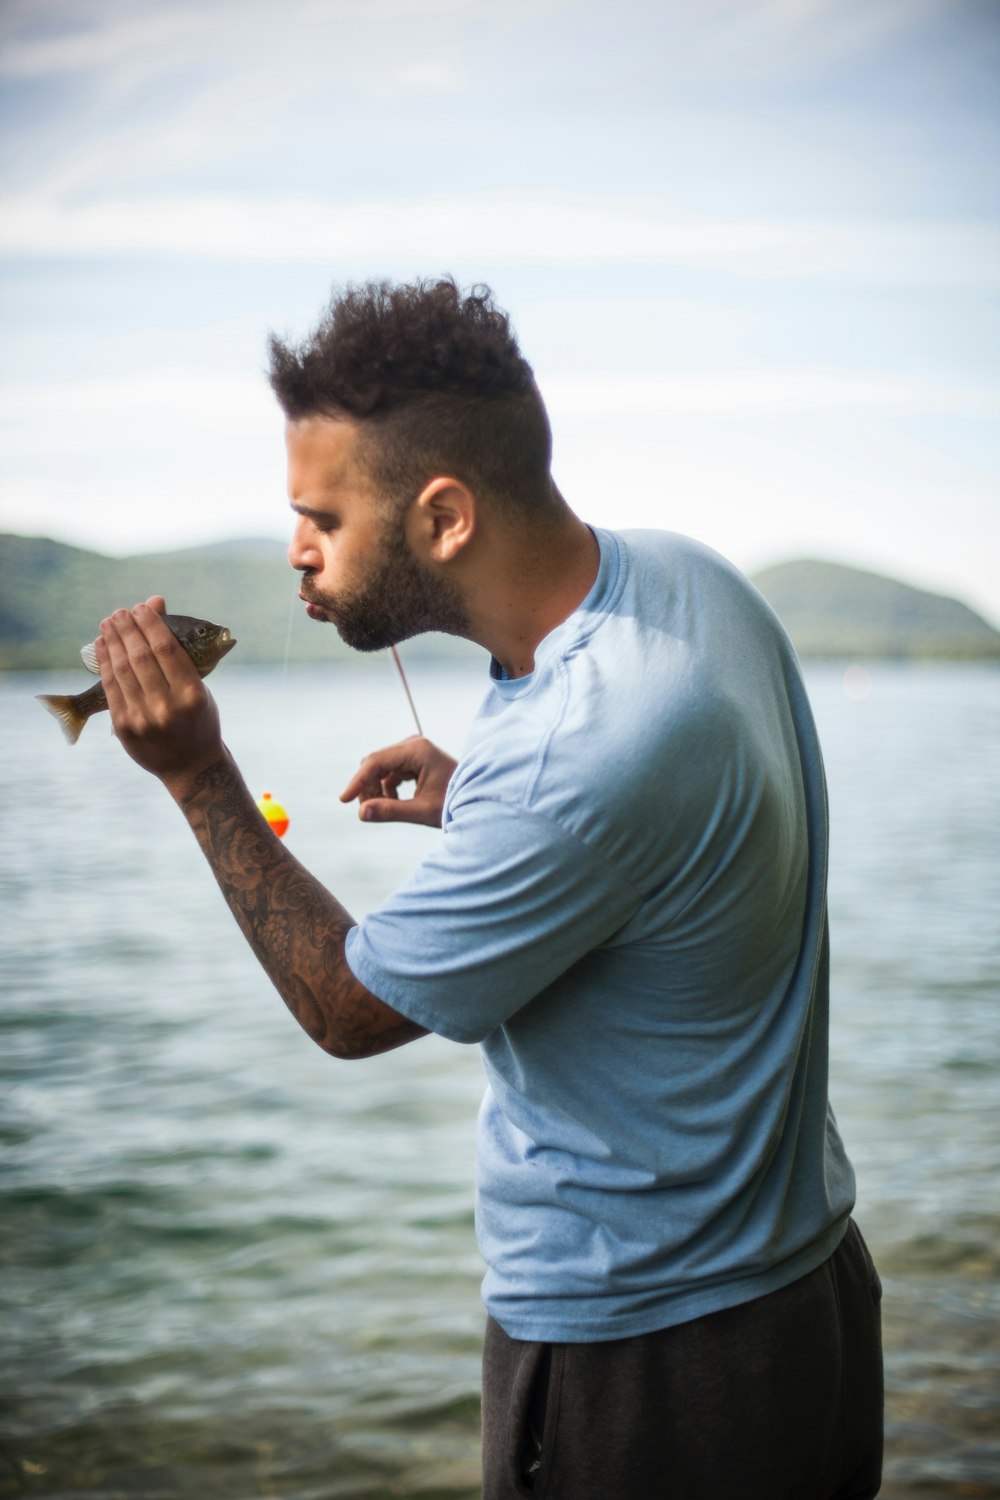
(627, 910)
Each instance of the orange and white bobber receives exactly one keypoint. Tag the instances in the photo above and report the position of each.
(274, 813)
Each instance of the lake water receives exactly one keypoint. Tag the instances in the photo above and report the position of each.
(231, 1266)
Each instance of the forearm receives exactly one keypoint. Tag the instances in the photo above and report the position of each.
(294, 925)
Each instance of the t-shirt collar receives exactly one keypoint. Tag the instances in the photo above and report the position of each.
(584, 619)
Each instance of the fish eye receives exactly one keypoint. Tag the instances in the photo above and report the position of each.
(202, 630)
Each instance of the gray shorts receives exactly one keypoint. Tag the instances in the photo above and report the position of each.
(777, 1399)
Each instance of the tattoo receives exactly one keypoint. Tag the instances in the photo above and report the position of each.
(294, 925)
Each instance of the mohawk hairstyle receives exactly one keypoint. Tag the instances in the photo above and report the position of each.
(438, 383)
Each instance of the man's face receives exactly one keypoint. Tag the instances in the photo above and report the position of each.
(359, 572)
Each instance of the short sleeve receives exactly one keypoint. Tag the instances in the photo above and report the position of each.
(505, 904)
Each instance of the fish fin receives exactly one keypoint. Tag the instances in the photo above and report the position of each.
(65, 710)
(89, 658)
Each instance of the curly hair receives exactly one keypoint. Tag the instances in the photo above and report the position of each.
(438, 383)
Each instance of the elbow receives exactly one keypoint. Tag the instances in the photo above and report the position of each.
(353, 1044)
(348, 1043)
(342, 1048)
(352, 1024)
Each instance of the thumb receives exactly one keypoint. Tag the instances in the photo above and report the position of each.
(382, 810)
(423, 810)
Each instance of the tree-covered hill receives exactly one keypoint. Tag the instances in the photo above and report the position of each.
(834, 611)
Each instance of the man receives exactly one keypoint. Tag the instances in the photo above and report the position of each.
(627, 910)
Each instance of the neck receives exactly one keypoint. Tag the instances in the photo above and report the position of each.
(525, 583)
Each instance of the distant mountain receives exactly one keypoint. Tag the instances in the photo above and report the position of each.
(834, 611)
(52, 598)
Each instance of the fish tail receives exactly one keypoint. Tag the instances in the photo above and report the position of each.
(67, 711)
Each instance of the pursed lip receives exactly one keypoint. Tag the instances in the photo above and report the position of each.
(313, 610)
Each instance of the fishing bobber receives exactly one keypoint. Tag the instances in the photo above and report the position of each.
(274, 813)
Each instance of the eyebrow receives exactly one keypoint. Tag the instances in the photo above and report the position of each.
(307, 510)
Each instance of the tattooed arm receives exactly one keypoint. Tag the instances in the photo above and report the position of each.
(167, 721)
(292, 923)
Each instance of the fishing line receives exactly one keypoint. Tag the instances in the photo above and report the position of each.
(292, 614)
(406, 688)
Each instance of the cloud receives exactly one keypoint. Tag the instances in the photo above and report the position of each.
(40, 38)
(769, 39)
(761, 393)
(186, 410)
(86, 48)
(88, 410)
(511, 230)
(43, 38)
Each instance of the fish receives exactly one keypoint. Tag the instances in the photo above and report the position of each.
(205, 643)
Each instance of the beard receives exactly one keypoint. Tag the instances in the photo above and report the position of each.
(397, 598)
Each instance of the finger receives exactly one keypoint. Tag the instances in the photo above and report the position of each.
(374, 786)
(109, 681)
(114, 632)
(379, 810)
(174, 664)
(126, 697)
(362, 786)
(131, 656)
(157, 603)
(391, 765)
(393, 810)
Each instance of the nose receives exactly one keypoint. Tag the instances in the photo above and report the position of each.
(302, 554)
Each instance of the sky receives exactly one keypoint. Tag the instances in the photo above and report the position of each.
(750, 247)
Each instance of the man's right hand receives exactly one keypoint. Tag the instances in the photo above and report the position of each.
(162, 713)
(375, 784)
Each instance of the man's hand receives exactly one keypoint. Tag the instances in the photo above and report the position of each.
(375, 784)
(162, 712)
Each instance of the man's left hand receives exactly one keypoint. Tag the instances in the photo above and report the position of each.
(377, 781)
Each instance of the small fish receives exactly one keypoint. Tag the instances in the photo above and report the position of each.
(205, 643)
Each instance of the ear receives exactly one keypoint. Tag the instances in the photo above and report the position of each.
(442, 519)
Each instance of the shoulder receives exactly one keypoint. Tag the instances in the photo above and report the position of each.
(676, 566)
(646, 704)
